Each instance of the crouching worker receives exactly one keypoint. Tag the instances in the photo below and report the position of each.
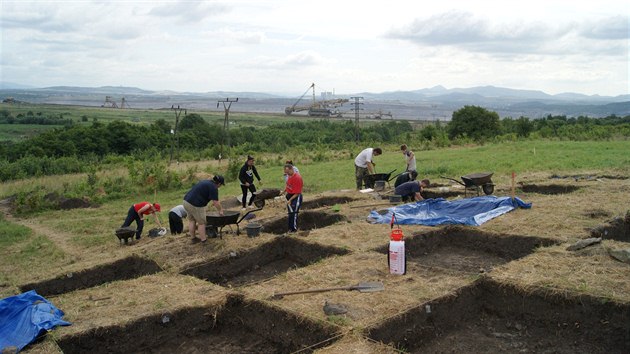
(137, 212)
(195, 202)
(175, 219)
(293, 190)
(411, 191)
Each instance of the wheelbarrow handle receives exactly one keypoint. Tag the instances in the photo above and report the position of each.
(244, 215)
(454, 180)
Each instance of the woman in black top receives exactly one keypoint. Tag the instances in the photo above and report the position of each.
(246, 176)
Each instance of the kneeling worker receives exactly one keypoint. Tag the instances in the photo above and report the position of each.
(410, 191)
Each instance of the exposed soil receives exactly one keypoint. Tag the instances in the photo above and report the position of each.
(325, 201)
(263, 262)
(548, 189)
(432, 194)
(127, 268)
(467, 249)
(238, 327)
(616, 229)
(307, 220)
(492, 317)
(61, 202)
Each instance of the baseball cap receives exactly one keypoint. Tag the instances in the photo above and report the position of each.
(219, 179)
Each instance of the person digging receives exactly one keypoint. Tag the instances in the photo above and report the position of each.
(137, 212)
(195, 203)
(411, 191)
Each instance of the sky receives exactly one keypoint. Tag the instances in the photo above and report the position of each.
(282, 46)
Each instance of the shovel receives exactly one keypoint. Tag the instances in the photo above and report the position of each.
(367, 287)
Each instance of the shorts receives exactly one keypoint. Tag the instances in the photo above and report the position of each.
(198, 214)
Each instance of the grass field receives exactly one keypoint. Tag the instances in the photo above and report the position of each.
(61, 244)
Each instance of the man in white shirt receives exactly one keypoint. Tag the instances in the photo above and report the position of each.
(363, 165)
(410, 158)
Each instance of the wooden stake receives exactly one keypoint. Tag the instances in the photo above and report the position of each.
(513, 186)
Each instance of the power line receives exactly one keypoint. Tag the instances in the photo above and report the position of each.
(356, 110)
(227, 104)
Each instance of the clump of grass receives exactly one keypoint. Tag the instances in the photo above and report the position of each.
(11, 233)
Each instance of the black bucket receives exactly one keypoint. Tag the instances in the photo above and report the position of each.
(395, 199)
(212, 231)
(253, 229)
(379, 186)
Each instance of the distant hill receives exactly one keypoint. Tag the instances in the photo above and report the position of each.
(435, 102)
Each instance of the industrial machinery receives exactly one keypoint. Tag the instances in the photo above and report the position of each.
(323, 108)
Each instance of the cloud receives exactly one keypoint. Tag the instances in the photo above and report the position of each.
(244, 37)
(475, 34)
(299, 60)
(617, 27)
(189, 11)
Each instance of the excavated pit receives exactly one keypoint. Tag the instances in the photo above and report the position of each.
(307, 220)
(550, 189)
(467, 249)
(325, 201)
(616, 229)
(432, 194)
(488, 317)
(123, 269)
(239, 326)
(264, 262)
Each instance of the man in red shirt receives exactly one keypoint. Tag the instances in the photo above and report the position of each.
(293, 192)
(137, 212)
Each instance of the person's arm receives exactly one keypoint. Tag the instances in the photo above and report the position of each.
(218, 205)
(256, 173)
(370, 167)
(418, 196)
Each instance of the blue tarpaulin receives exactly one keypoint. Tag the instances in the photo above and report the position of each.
(24, 317)
(431, 212)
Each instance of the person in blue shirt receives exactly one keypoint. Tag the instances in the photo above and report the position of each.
(195, 202)
(411, 191)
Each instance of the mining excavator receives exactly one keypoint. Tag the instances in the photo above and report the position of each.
(324, 108)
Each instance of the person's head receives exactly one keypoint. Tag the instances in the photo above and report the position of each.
(218, 180)
(157, 206)
(289, 162)
(377, 151)
(403, 147)
(288, 169)
(250, 160)
(425, 183)
(413, 175)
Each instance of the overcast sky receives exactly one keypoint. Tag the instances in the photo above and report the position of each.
(281, 46)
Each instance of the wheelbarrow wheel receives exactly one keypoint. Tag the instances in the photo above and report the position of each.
(488, 188)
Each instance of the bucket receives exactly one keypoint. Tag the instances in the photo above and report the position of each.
(379, 186)
(253, 229)
(211, 231)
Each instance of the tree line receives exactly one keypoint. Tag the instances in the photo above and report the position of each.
(73, 148)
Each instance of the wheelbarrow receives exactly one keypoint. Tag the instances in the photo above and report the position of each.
(216, 222)
(476, 181)
(370, 180)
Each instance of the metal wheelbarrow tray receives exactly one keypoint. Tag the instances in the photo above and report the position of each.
(371, 179)
(477, 181)
(229, 218)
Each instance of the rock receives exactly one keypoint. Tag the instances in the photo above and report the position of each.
(620, 255)
(584, 243)
(334, 309)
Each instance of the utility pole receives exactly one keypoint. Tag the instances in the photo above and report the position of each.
(356, 110)
(227, 104)
(178, 112)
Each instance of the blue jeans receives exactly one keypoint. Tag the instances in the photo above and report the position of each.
(132, 216)
(293, 210)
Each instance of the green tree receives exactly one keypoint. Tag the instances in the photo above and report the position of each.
(475, 122)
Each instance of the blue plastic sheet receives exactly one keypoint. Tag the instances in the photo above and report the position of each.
(24, 317)
(431, 212)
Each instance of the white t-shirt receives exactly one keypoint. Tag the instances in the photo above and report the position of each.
(411, 162)
(180, 211)
(364, 157)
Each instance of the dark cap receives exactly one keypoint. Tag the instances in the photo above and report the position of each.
(219, 179)
(250, 157)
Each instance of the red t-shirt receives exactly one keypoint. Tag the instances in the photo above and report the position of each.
(294, 184)
(140, 206)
